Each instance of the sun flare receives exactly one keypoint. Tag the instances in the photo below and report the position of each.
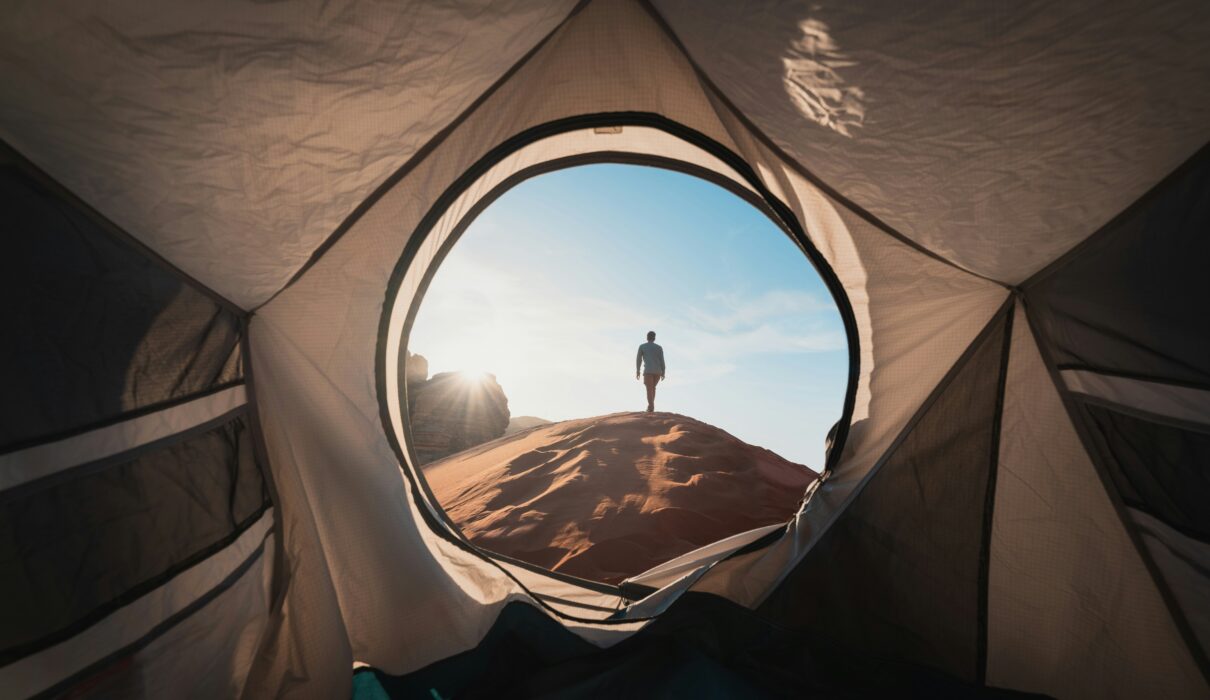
(474, 376)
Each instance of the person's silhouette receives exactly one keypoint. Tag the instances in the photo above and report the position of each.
(650, 361)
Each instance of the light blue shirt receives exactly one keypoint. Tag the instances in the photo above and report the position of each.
(651, 356)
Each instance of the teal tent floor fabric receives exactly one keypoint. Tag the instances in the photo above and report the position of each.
(703, 647)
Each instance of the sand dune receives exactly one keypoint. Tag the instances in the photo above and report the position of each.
(609, 497)
(518, 423)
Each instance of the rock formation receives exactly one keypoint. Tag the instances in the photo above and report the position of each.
(452, 411)
(415, 369)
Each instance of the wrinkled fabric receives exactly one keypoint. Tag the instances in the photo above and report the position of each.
(1072, 610)
(905, 555)
(320, 335)
(1170, 401)
(1185, 564)
(316, 343)
(1133, 300)
(76, 548)
(96, 330)
(234, 137)
(46, 459)
(915, 317)
(996, 135)
(223, 608)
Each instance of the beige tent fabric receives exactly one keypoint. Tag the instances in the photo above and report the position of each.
(998, 136)
(1183, 562)
(233, 137)
(687, 563)
(320, 333)
(357, 546)
(330, 317)
(564, 597)
(1162, 399)
(195, 127)
(915, 317)
(40, 461)
(354, 530)
(1072, 610)
(210, 650)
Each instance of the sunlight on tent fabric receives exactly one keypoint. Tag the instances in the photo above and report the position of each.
(814, 84)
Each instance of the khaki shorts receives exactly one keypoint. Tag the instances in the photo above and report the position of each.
(651, 379)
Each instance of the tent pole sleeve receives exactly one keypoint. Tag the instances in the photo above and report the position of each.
(989, 503)
(277, 586)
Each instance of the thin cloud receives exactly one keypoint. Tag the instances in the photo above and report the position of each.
(483, 318)
(732, 311)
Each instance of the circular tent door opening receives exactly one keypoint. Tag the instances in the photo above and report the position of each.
(506, 365)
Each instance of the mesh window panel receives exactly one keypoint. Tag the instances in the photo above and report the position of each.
(898, 575)
(1133, 299)
(1159, 469)
(1162, 473)
(95, 329)
(73, 549)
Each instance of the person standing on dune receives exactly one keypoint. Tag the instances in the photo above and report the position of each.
(650, 361)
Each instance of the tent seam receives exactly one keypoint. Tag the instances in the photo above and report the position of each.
(1140, 413)
(160, 629)
(916, 417)
(420, 155)
(135, 591)
(989, 504)
(277, 587)
(1107, 229)
(801, 169)
(1183, 383)
(120, 418)
(81, 470)
(56, 188)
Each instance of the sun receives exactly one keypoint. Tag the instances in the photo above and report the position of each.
(474, 376)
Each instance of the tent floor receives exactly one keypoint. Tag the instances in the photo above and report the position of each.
(702, 647)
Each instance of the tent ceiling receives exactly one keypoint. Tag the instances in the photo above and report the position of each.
(234, 137)
(997, 135)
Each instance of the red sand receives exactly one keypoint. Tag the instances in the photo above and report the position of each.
(610, 497)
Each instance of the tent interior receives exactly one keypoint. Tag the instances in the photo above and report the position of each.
(220, 215)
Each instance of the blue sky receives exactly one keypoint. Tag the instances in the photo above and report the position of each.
(555, 285)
